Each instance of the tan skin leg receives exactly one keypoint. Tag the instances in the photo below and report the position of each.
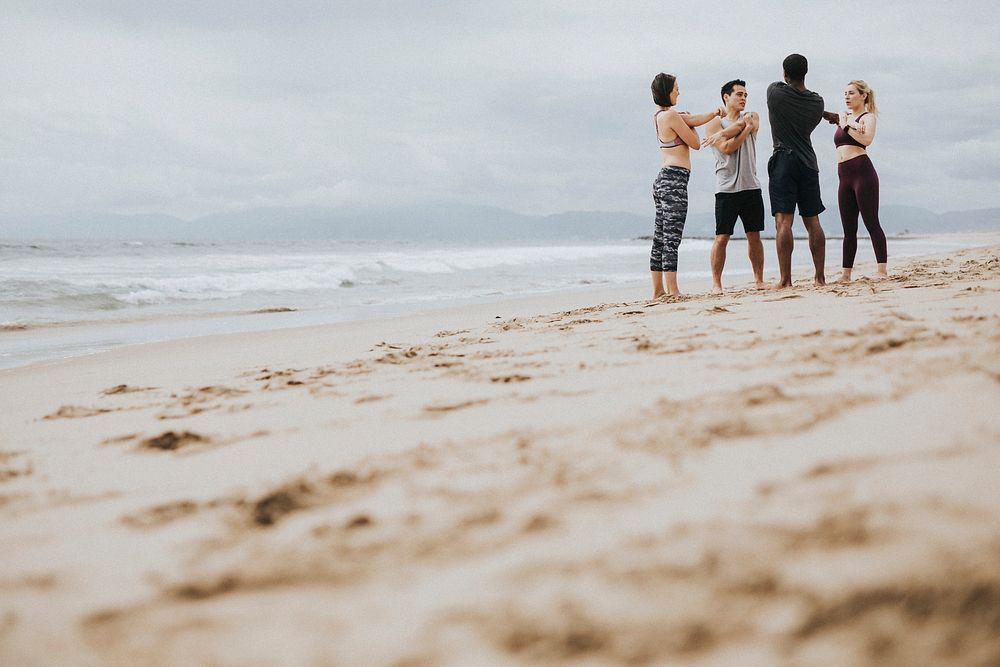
(755, 249)
(817, 246)
(785, 243)
(882, 274)
(671, 279)
(657, 277)
(719, 260)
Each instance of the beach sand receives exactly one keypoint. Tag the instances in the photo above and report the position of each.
(798, 477)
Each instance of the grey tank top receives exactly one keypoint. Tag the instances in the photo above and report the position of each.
(737, 171)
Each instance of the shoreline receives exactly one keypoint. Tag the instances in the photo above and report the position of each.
(829, 237)
(758, 477)
(76, 339)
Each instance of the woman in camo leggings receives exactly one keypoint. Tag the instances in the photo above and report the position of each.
(677, 138)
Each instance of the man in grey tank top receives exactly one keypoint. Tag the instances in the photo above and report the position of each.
(737, 195)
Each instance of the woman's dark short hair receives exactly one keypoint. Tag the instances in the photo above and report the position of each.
(662, 86)
(727, 88)
(796, 67)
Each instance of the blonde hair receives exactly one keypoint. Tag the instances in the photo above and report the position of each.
(867, 93)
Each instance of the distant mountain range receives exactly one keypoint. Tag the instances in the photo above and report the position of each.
(439, 222)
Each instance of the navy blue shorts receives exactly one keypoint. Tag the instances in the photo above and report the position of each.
(792, 183)
(747, 205)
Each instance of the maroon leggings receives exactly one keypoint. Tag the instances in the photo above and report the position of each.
(859, 193)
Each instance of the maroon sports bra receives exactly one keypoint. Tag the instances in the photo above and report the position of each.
(842, 138)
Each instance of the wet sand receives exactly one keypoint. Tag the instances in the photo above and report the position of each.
(800, 477)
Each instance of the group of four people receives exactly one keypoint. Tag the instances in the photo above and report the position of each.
(793, 172)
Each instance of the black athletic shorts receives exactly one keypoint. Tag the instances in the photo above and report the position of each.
(747, 205)
(791, 183)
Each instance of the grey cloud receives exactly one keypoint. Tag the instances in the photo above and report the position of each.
(976, 160)
(192, 107)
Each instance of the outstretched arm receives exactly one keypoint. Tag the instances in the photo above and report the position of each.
(695, 120)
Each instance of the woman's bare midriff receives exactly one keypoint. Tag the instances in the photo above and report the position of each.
(845, 153)
(678, 156)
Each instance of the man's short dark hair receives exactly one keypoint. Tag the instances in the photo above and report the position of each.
(796, 67)
(727, 88)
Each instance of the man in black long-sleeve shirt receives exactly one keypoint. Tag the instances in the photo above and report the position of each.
(794, 112)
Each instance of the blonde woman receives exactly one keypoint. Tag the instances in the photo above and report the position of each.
(858, 191)
(670, 194)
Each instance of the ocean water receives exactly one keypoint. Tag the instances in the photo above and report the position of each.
(61, 299)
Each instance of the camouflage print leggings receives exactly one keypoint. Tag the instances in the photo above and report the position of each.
(670, 194)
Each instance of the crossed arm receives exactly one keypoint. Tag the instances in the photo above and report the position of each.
(730, 139)
(862, 131)
(683, 124)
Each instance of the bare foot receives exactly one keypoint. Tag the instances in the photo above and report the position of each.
(716, 290)
(819, 282)
(783, 284)
(763, 285)
(658, 295)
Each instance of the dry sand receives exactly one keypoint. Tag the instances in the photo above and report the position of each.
(805, 477)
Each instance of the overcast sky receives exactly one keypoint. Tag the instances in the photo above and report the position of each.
(206, 106)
